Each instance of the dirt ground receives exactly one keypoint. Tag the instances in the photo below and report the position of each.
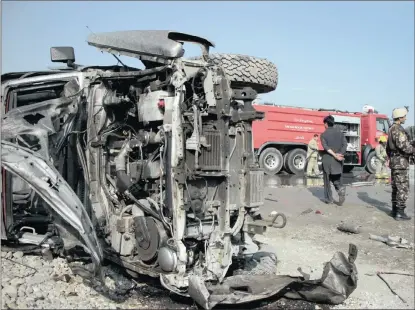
(310, 239)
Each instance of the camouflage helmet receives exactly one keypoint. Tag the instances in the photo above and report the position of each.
(399, 112)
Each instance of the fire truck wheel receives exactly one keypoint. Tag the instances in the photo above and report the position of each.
(370, 163)
(295, 161)
(271, 160)
(248, 71)
(284, 161)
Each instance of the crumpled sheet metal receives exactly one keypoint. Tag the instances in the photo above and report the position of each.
(338, 281)
(55, 191)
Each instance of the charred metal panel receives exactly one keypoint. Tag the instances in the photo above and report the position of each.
(159, 43)
(151, 42)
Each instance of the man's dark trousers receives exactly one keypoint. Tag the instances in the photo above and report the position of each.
(337, 180)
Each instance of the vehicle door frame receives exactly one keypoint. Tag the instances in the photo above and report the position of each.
(9, 92)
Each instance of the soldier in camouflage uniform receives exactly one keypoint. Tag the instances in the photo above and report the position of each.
(381, 159)
(399, 150)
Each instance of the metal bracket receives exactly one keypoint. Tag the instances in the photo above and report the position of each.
(217, 90)
(255, 227)
(179, 175)
(246, 93)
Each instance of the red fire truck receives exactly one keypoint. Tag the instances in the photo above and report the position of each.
(281, 138)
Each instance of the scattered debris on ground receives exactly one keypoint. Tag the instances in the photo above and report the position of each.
(30, 281)
(349, 228)
(395, 242)
(307, 238)
(339, 280)
(309, 210)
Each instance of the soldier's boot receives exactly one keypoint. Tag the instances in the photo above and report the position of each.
(400, 214)
(394, 209)
(378, 176)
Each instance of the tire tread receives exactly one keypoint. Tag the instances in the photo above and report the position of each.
(248, 71)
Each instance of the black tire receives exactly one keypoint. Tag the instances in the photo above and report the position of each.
(284, 162)
(271, 161)
(295, 161)
(348, 168)
(370, 164)
(248, 71)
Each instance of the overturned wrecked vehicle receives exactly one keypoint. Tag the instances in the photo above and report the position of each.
(150, 168)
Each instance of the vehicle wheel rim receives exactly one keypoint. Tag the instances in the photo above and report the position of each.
(271, 161)
(373, 163)
(299, 162)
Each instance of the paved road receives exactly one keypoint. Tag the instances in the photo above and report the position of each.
(362, 188)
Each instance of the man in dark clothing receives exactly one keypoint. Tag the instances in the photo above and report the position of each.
(335, 144)
(399, 150)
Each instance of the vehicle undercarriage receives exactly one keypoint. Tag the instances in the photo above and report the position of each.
(152, 169)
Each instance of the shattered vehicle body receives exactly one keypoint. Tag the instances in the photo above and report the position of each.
(152, 169)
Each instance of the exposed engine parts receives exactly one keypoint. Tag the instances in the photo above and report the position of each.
(178, 169)
(160, 160)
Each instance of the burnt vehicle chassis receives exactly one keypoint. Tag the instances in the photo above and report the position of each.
(153, 169)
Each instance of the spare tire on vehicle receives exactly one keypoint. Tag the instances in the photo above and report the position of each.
(248, 71)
